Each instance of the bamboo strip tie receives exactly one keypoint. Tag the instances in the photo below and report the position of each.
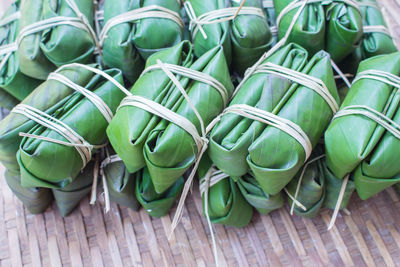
(377, 29)
(11, 18)
(269, 118)
(217, 16)
(108, 160)
(311, 82)
(74, 139)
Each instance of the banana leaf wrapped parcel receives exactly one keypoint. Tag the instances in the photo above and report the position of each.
(133, 190)
(256, 197)
(35, 199)
(163, 124)
(69, 197)
(244, 38)
(334, 26)
(155, 204)
(223, 202)
(133, 30)
(315, 187)
(54, 33)
(66, 138)
(14, 86)
(376, 39)
(308, 188)
(120, 183)
(59, 95)
(363, 138)
(278, 114)
(48, 97)
(333, 188)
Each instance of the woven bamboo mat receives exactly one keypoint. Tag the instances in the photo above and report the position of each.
(88, 237)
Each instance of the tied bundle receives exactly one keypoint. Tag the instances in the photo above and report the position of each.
(57, 125)
(163, 125)
(362, 141)
(134, 30)
(333, 25)
(54, 33)
(14, 85)
(376, 40)
(277, 115)
(243, 31)
(66, 138)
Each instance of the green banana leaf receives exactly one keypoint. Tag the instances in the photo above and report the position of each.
(142, 139)
(36, 200)
(373, 43)
(155, 204)
(185, 18)
(244, 39)
(312, 190)
(85, 118)
(333, 26)
(42, 52)
(121, 184)
(226, 204)
(47, 97)
(270, 13)
(333, 185)
(7, 101)
(359, 146)
(70, 196)
(14, 86)
(256, 197)
(238, 144)
(129, 44)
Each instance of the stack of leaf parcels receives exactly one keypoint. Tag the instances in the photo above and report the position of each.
(139, 97)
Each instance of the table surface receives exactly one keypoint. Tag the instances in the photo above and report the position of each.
(370, 235)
